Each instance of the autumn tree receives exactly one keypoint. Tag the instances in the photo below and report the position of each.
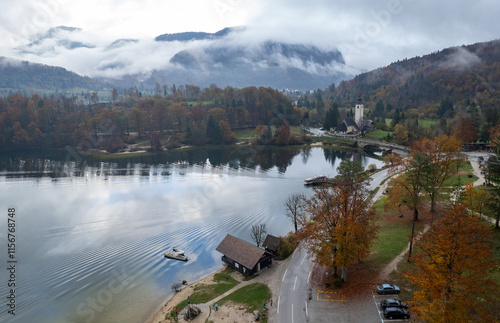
(466, 130)
(400, 134)
(475, 198)
(262, 135)
(20, 138)
(452, 271)
(227, 135)
(444, 153)
(258, 233)
(406, 187)
(282, 135)
(338, 230)
(294, 208)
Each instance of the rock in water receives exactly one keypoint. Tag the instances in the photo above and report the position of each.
(192, 312)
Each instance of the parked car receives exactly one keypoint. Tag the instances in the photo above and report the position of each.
(391, 302)
(387, 289)
(396, 313)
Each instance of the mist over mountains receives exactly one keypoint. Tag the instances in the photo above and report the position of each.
(231, 56)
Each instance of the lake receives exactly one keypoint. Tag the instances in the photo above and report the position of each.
(90, 235)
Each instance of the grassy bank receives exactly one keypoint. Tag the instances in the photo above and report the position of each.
(251, 297)
(205, 293)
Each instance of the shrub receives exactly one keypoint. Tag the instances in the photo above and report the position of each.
(286, 246)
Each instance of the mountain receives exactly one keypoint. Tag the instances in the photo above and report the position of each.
(61, 36)
(461, 75)
(270, 64)
(188, 36)
(231, 56)
(22, 76)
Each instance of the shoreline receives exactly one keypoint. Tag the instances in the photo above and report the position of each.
(270, 276)
(167, 305)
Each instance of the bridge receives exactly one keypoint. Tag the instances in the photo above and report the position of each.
(373, 145)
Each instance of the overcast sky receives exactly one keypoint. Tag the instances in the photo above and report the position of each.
(369, 33)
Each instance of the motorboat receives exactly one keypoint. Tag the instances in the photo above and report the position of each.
(317, 180)
(176, 254)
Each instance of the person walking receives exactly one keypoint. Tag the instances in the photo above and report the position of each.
(216, 307)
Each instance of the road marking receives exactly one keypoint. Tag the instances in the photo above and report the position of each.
(329, 296)
(309, 276)
(295, 283)
(279, 304)
(381, 319)
(284, 275)
(292, 312)
(294, 253)
(303, 260)
(306, 310)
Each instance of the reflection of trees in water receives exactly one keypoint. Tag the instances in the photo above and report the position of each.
(305, 153)
(333, 156)
(58, 165)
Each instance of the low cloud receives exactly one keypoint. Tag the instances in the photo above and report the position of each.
(460, 59)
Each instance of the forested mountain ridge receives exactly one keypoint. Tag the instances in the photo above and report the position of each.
(232, 56)
(25, 77)
(461, 74)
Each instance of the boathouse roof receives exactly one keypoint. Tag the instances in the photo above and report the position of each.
(240, 251)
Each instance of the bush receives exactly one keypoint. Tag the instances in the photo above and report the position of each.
(176, 287)
(286, 246)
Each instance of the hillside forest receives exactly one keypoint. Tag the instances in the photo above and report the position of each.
(452, 92)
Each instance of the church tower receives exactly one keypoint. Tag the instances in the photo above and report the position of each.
(358, 114)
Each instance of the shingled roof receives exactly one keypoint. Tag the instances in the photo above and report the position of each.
(240, 251)
(271, 243)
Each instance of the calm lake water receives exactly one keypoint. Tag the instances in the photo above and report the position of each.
(90, 235)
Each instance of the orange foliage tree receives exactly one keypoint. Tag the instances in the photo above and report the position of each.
(338, 230)
(451, 274)
(466, 130)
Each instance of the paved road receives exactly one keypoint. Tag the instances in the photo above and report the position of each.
(293, 296)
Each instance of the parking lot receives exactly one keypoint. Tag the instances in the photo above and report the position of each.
(360, 305)
(378, 298)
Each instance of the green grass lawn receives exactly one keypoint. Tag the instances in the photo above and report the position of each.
(426, 123)
(244, 134)
(463, 176)
(392, 236)
(249, 133)
(252, 297)
(377, 134)
(205, 293)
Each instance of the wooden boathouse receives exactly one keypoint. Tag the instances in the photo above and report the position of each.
(243, 256)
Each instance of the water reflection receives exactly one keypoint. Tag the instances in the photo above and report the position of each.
(92, 233)
(244, 157)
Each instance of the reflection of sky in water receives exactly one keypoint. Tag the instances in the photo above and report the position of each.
(77, 235)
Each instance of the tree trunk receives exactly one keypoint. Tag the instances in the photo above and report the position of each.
(433, 203)
(344, 274)
(411, 237)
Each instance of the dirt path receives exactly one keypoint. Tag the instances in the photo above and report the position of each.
(393, 265)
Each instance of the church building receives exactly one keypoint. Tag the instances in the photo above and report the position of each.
(356, 126)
